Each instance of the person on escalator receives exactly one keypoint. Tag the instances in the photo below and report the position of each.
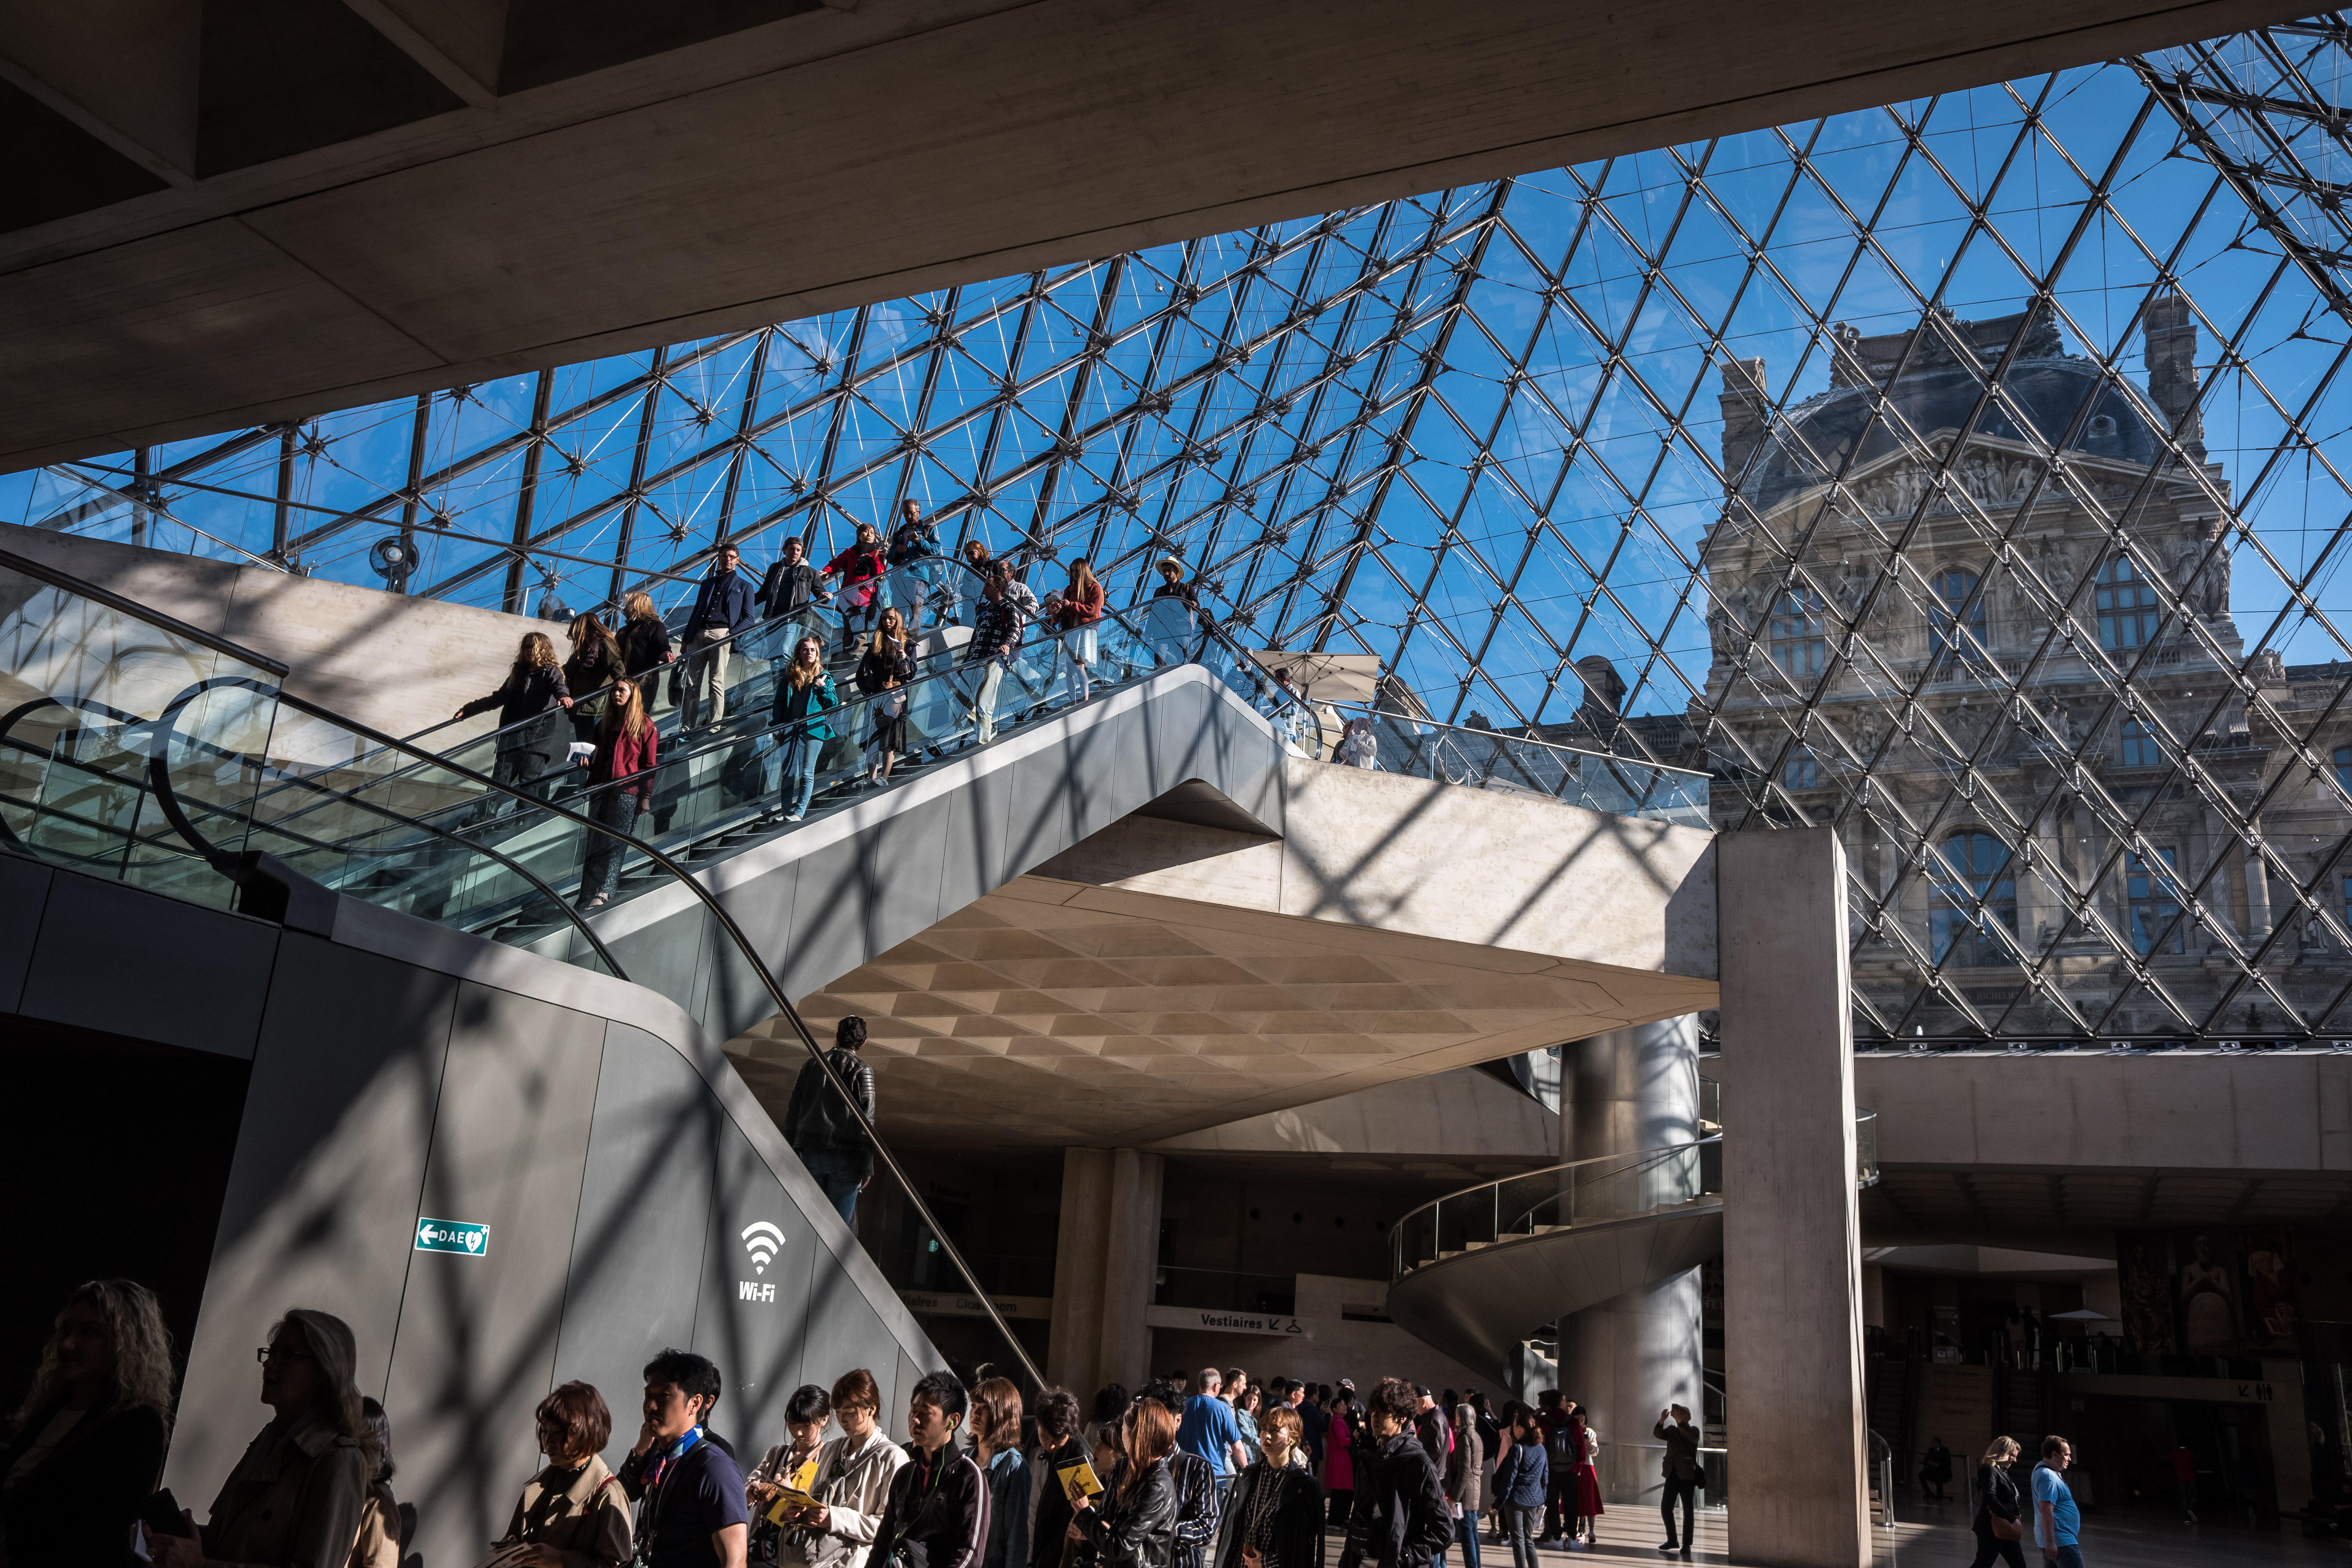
(1082, 608)
(595, 663)
(804, 697)
(645, 644)
(621, 774)
(722, 608)
(531, 742)
(860, 568)
(823, 1131)
(915, 556)
(883, 672)
(995, 639)
(793, 585)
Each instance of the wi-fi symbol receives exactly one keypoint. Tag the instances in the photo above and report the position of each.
(763, 1241)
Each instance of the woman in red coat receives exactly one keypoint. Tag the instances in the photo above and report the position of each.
(621, 774)
(860, 568)
(1583, 1481)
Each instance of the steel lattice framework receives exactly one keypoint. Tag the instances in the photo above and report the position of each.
(1968, 473)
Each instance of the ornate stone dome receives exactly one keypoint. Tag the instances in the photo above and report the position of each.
(1937, 392)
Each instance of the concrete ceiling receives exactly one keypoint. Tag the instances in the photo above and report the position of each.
(232, 214)
(1054, 1013)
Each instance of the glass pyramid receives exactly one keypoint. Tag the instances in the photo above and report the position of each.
(1966, 473)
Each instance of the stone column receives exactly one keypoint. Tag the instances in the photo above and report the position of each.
(1792, 1229)
(1628, 1358)
(1104, 1259)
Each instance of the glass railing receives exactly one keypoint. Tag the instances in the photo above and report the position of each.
(111, 716)
(1492, 760)
(712, 791)
(132, 746)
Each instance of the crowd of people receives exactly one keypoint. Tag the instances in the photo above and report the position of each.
(1207, 1470)
(593, 707)
(1200, 1470)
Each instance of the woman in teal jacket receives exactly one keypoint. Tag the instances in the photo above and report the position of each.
(805, 693)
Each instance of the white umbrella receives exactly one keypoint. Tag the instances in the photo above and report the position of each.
(2079, 1315)
(1325, 677)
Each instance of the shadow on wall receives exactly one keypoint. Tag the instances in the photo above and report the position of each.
(615, 1189)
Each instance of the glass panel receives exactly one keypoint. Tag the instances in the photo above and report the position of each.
(96, 705)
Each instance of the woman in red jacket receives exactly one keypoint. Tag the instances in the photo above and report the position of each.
(860, 568)
(1082, 606)
(626, 744)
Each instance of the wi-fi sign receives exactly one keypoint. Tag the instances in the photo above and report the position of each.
(763, 1241)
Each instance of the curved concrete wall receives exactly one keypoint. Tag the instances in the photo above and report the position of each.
(402, 1071)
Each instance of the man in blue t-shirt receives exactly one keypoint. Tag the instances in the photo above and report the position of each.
(2057, 1523)
(1210, 1432)
(694, 1514)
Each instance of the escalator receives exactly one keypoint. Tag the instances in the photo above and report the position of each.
(164, 789)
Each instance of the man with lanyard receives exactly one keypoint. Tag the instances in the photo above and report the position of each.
(2057, 1523)
(937, 1516)
(693, 1513)
(723, 606)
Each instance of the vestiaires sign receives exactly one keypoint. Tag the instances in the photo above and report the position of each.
(1230, 1322)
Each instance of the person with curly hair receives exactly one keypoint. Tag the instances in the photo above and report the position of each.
(88, 1439)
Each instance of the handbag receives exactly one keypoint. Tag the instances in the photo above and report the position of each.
(2005, 1528)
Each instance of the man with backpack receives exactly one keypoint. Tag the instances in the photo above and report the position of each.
(822, 1131)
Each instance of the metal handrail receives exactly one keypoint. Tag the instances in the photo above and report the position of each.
(138, 611)
(1865, 1174)
(759, 966)
(175, 814)
(1518, 740)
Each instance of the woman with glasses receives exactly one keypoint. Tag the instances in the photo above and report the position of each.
(298, 1495)
(573, 1513)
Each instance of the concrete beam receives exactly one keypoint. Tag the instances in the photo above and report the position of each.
(124, 72)
(839, 157)
(1792, 1231)
(2176, 1110)
(456, 41)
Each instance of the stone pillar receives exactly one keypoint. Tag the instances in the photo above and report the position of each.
(1792, 1229)
(1104, 1259)
(1628, 1358)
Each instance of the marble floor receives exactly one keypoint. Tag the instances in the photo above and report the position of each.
(2117, 1541)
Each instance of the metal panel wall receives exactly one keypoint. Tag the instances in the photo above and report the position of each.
(478, 1332)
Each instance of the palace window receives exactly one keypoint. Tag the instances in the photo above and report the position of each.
(2155, 900)
(2126, 605)
(1798, 643)
(1971, 868)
